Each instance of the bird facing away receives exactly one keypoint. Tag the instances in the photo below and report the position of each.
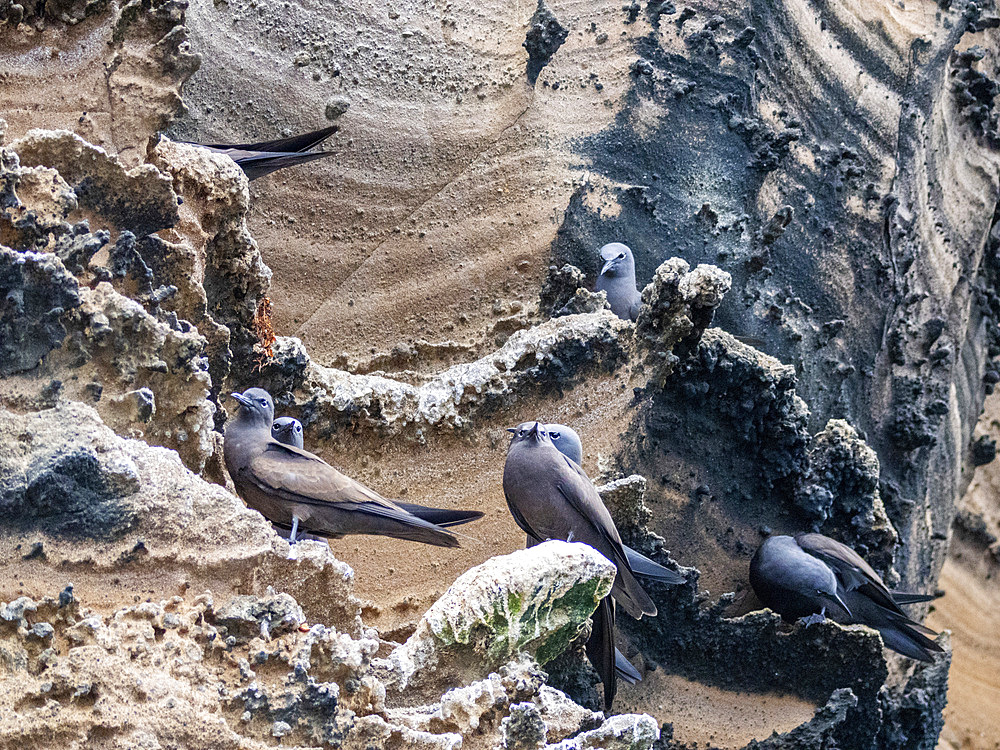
(288, 430)
(550, 497)
(292, 487)
(617, 279)
(259, 159)
(811, 576)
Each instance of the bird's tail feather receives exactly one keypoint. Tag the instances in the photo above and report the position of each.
(440, 516)
(643, 566)
(628, 592)
(905, 597)
(899, 633)
(601, 649)
(624, 669)
(264, 163)
(295, 143)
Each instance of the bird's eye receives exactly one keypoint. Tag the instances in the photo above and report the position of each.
(298, 428)
(262, 401)
(621, 255)
(554, 435)
(522, 433)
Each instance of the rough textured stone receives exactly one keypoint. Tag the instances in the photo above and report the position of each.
(533, 600)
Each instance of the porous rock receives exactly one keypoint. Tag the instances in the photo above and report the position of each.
(37, 290)
(533, 601)
(677, 306)
(841, 494)
(88, 496)
(621, 732)
(140, 200)
(552, 355)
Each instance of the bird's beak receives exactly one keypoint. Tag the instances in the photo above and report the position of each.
(607, 266)
(241, 398)
(534, 430)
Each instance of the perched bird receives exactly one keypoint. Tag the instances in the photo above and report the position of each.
(617, 279)
(550, 497)
(811, 576)
(259, 159)
(567, 441)
(288, 430)
(292, 487)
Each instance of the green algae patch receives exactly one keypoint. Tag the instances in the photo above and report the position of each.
(534, 601)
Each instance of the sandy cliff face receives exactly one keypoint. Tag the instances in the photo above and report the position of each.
(821, 179)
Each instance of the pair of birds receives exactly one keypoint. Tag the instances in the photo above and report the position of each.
(294, 488)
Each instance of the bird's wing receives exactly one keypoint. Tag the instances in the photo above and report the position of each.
(263, 163)
(643, 566)
(905, 597)
(633, 310)
(899, 632)
(601, 649)
(581, 495)
(850, 567)
(304, 478)
(522, 523)
(624, 669)
(853, 573)
(440, 516)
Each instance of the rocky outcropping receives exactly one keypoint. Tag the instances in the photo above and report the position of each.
(213, 666)
(822, 183)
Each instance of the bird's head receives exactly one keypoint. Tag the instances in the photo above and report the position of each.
(528, 432)
(255, 405)
(618, 260)
(567, 441)
(287, 430)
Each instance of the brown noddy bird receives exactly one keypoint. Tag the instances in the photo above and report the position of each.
(617, 280)
(294, 488)
(551, 497)
(288, 430)
(810, 576)
(567, 441)
(264, 157)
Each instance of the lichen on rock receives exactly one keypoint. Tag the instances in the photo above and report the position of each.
(534, 601)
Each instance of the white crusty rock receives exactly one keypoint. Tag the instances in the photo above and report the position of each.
(559, 348)
(533, 601)
(622, 732)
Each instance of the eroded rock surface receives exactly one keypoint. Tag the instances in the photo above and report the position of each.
(823, 185)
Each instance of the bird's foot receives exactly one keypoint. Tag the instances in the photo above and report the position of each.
(813, 619)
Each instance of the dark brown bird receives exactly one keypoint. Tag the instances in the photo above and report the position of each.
(288, 430)
(293, 488)
(259, 159)
(550, 497)
(812, 576)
